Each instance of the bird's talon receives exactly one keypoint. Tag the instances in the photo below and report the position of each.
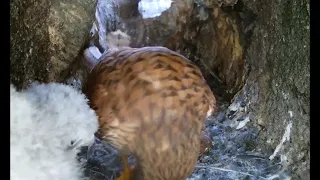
(127, 170)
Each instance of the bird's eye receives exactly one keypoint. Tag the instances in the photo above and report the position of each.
(72, 143)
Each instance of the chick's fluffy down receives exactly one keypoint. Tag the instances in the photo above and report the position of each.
(48, 124)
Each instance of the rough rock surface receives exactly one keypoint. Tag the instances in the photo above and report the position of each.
(258, 47)
(278, 86)
(46, 36)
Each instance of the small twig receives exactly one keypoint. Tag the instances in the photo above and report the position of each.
(229, 170)
(97, 173)
(210, 71)
(248, 157)
(269, 167)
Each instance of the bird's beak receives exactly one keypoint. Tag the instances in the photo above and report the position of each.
(76, 144)
(98, 135)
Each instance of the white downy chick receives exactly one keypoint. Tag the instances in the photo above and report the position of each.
(48, 124)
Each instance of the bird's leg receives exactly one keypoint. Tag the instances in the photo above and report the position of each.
(127, 172)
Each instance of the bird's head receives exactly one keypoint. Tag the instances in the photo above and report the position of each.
(63, 115)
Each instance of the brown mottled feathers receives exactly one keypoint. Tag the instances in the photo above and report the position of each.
(152, 102)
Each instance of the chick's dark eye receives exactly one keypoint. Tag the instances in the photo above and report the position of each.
(72, 142)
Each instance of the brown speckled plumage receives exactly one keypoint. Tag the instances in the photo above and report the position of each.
(151, 102)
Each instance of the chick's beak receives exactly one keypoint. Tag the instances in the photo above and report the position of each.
(98, 135)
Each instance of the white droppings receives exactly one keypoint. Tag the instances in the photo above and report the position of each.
(234, 106)
(283, 158)
(243, 123)
(290, 113)
(268, 141)
(94, 30)
(285, 95)
(285, 137)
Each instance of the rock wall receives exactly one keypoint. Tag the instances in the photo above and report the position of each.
(278, 87)
(46, 36)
